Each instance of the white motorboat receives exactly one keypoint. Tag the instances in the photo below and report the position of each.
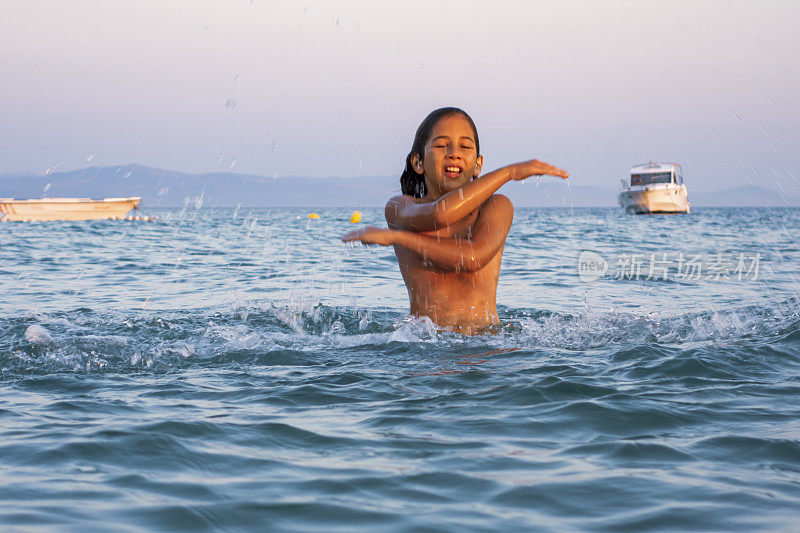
(66, 208)
(654, 188)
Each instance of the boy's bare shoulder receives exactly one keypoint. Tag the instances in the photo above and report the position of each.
(393, 206)
(501, 199)
(402, 199)
(496, 212)
(499, 202)
(397, 204)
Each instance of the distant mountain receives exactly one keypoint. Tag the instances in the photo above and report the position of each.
(167, 188)
(744, 196)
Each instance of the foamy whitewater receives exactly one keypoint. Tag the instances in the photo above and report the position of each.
(245, 370)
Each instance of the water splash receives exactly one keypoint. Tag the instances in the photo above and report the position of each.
(86, 341)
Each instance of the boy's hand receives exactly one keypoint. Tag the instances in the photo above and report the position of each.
(370, 235)
(534, 167)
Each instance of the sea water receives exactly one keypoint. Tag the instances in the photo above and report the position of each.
(245, 370)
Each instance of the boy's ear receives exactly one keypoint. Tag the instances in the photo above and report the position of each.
(416, 162)
(478, 165)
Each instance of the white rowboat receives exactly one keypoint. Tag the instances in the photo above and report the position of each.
(66, 208)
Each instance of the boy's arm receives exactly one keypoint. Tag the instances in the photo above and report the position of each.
(463, 255)
(403, 212)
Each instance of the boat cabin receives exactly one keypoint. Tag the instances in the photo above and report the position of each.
(656, 173)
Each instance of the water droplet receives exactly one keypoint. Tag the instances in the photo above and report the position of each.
(52, 168)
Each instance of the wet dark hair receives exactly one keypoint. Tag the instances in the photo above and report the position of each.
(411, 182)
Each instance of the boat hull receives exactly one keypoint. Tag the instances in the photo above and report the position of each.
(66, 208)
(662, 200)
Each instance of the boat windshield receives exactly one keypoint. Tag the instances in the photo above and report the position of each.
(651, 177)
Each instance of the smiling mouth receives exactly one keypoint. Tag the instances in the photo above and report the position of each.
(452, 171)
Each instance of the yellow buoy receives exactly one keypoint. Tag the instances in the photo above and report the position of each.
(313, 215)
(355, 217)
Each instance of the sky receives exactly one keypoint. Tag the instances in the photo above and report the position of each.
(321, 88)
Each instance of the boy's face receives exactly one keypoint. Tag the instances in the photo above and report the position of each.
(451, 158)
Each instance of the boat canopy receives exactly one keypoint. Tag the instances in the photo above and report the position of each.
(652, 173)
